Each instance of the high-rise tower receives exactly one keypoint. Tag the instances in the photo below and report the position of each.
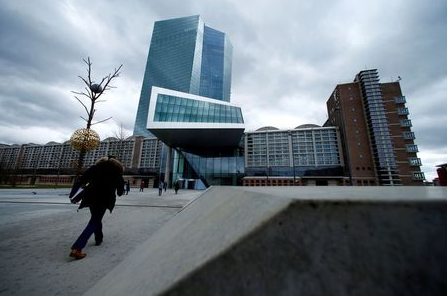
(185, 56)
(376, 134)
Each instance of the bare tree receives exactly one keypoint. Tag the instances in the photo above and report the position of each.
(92, 91)
(121, 134)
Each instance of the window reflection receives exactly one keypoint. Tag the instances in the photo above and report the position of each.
(176, 109)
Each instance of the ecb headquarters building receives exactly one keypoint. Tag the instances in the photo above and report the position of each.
(185, 102)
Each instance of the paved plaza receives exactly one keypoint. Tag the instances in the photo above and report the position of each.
(38, 227)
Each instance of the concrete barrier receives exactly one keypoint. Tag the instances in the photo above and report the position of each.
(294, 241)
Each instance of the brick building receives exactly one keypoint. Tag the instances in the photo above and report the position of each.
(376, 134)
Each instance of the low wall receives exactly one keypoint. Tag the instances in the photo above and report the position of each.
(294, 241)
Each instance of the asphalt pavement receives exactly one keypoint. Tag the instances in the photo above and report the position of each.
(38, 227)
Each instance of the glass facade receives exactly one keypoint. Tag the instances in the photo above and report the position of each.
(223, 168)
(215, 55)
(185, 56)
(178, 109)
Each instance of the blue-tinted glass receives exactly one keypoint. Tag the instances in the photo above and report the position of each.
(212, 71)
(177, 109)
(171, 62)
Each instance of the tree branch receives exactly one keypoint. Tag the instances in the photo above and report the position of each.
(109, 78)
(85, 107)
(81, 93)
(102, 121)
(84, 80)
(89, 70)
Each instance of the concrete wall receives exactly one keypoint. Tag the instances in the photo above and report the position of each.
(294, 241)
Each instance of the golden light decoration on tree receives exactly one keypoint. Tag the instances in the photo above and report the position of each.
(85, 139)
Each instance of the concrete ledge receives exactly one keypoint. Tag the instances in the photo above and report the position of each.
(294, 241)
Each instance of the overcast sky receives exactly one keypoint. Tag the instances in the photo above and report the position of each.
(288, 57)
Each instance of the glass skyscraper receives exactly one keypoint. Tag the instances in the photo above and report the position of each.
(185, 102)
(185, 56)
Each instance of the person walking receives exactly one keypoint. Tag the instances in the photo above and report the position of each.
(142, 186)
(176, 186)
(161, 184)
(164, 186)
(127, 187)
(103, 180)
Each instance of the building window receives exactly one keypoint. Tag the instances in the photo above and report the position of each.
(178, 109)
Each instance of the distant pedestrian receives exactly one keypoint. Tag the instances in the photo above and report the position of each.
(176, 186)
(142, 186)
(103, 180)
(164, 186)
(161, 184)
(127, 187)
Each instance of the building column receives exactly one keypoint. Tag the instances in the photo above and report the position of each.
(168, 165)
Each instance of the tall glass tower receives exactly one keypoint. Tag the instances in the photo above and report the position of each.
(185, 56)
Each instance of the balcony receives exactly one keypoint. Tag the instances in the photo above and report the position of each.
(412, 148)
(403, 111)
(406, 123)
(415, 162)
(408, 135)
(400, 99)
(419, 175)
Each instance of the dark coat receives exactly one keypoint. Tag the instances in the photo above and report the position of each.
(104, 179)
